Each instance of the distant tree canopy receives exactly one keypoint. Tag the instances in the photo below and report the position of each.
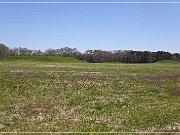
(128, 56)
(3, 50)
(94, 56)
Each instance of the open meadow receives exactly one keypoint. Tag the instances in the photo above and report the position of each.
(71, 95)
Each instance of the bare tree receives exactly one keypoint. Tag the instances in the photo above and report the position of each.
(3, 50)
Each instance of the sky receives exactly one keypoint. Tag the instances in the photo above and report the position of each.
(143, 27)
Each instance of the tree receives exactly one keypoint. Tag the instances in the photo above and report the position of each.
(3, 50)
(94, 56)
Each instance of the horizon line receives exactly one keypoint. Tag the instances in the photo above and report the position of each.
(28, 2)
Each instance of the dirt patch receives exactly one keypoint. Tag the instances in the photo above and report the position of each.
(175, 92)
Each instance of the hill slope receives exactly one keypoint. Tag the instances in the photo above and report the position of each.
(168, 62)
(43, 59)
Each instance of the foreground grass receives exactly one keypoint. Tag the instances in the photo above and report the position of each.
(43, 96)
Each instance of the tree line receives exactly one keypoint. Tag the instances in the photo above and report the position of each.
(94, 56)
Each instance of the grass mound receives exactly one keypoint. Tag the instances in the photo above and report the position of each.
(168, 62)
(43, 59)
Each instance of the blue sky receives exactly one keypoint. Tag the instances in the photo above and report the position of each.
(149, 27)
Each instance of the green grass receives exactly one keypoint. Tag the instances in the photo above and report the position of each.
(43, 59)
(79, 96)
(168, 62)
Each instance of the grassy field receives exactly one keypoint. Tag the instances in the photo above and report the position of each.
(56, 95)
